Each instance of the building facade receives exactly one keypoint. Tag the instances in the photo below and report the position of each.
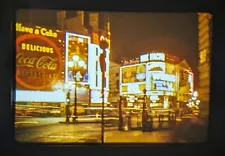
(95, 25)
(161, 75)
(204, 48)
(114, 81)
(49, 80)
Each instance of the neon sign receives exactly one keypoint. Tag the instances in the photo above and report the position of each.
(134, 61)
(38, 65)
(37, 30)
(157, 56)
(144, 58)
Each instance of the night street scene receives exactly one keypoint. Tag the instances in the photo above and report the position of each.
(112, 77)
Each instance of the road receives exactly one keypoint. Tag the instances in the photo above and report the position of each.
(47, 130)
(35, 121)
(87, 133)
(59, 133)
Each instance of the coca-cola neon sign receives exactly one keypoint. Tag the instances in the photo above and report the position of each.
(38, 62)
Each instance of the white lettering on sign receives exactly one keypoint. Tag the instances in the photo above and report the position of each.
(36, 30)
(144, 58)
(127, 62)
(157, 57)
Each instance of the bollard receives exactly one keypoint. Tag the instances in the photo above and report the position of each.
(150, 123)
(125, 125)
(138, 123)
(129, 122)
(160, 121)
(120, 125)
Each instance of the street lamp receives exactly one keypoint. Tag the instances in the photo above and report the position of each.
(144, 115)
(74, 66)
(103, 45)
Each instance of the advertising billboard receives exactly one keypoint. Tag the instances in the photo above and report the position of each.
(156, 66)
(133, 73)
(39, 57)
(157, 57)
(163, 85)
(76, 63)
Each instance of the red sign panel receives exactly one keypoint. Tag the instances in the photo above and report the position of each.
(39, 57)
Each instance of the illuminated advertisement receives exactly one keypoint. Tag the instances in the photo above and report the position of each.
(156, 66)
(130, 61)
(153, 56)
(162, 82)
(134, 73)
(144, 58)
(157, 57)
(164, 77)
(39, 57)
(170, 68)
(132, 88)
(191, 81)
(76, 57)
(163, 85)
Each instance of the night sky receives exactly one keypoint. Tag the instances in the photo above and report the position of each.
(173, 33)
(136, 33)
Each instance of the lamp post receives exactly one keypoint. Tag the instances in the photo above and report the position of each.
(144, 111)
(103, 45)
(74, 65)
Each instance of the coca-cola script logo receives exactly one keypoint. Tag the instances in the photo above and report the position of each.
(38, 62)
